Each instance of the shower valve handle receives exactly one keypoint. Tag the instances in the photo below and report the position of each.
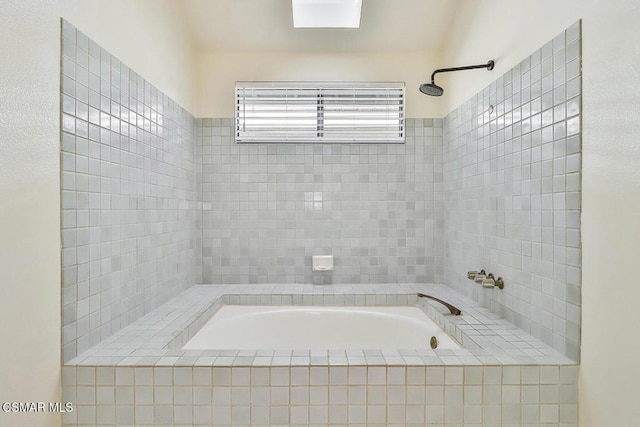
(471, 275)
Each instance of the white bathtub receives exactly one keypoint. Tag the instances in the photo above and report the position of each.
(255, 327)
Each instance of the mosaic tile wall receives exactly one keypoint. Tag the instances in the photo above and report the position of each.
(128, 194)
(154, 200)
(512, 162)
(237, 396)
(267, 208)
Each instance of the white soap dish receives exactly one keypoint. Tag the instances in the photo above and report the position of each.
(322, 262)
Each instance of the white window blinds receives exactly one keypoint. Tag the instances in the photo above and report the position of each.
(319, 112)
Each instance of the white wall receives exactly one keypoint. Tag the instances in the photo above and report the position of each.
(509, 31)
(505, 30)
(29, 208)
(217, 73)
(146, 37)
(149, 36)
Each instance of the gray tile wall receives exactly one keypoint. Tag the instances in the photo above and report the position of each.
(139, 174)
(266, 208)
(128, 194)
(512, 162)
(375, 396)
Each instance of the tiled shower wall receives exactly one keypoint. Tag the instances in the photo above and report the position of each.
(302, 396)
(139, 173)
(512, 161)
(128, 194)
(268, 207)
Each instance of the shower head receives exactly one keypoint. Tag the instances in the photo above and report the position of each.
(433, 89)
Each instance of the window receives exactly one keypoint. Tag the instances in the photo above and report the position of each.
(319, 112)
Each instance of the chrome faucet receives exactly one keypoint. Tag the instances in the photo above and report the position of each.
(454, 310)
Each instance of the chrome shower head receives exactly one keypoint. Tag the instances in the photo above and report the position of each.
(433, 89)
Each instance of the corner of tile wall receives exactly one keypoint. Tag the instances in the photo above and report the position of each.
(512, 180)
(128, 194)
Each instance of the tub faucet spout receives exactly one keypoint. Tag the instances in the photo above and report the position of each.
(454, 310)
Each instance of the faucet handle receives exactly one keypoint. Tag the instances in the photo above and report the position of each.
(471, 275)
(489, 281)
(480, 277)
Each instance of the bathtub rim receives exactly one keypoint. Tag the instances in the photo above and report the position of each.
(363, 300)
(485, 336)
(360, 309)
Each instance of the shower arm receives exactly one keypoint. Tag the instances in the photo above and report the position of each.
(489, 66)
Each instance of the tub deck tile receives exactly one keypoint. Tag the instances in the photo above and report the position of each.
(156, 338)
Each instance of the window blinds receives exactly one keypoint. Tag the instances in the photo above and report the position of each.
(319, 112)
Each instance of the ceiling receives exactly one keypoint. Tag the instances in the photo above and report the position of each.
(266, 25)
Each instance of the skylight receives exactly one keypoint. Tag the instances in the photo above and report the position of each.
(326, 13)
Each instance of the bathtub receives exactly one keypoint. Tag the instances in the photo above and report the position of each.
(261, 327)
(272, 386)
